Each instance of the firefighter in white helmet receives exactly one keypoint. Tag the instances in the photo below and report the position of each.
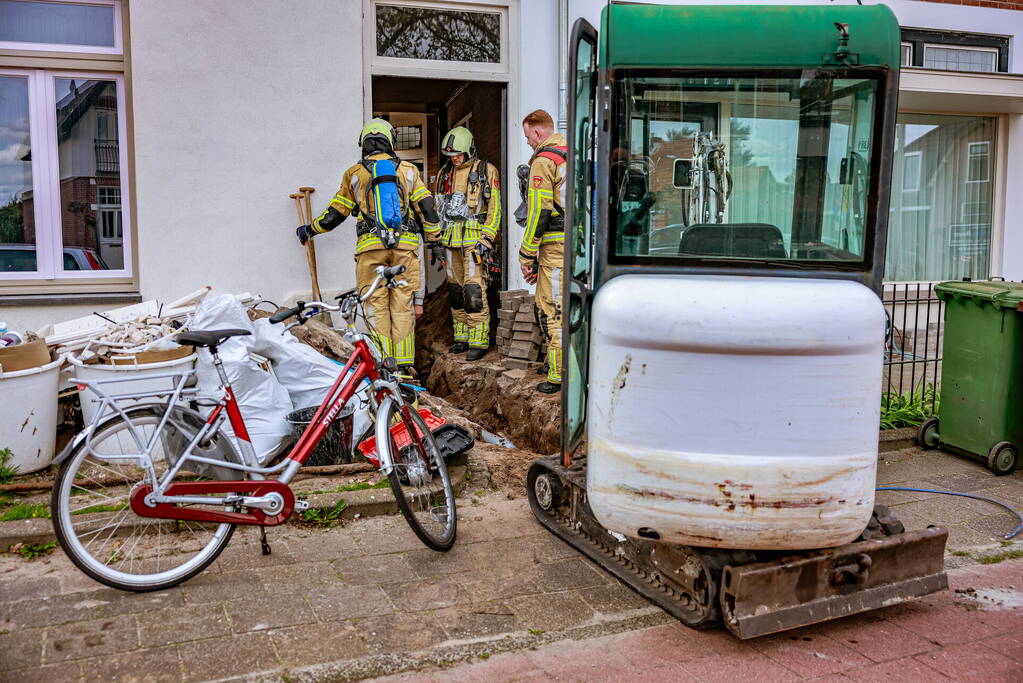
(392, 205)
(468, 192)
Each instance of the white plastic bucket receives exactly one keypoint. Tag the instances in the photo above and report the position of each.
(132, 384)
(28, 415)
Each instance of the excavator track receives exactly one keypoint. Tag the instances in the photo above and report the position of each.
(759, 593)
(632, 561)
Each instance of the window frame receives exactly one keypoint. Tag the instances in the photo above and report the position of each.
(919, 156)
(46, 169)
(481, 6)
(866, 263)
(117, 49)
(999, 190)
(961, 48)
(970, 155)
(908, 46)
(920, 37)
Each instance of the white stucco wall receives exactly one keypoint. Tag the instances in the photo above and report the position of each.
(236, 105)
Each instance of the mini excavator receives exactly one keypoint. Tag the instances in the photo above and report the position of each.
(726, 207)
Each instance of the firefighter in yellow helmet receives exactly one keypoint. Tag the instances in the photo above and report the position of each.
(542, 254)
(390, 202)
(468, 192)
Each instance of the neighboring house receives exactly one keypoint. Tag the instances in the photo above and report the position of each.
(165, 137)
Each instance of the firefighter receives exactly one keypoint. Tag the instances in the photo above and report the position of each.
(468, 192)
(541, 256)
(384, 242)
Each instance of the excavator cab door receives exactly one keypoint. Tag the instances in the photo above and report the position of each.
(579, 232)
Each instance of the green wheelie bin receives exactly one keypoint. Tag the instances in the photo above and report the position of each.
(981, 409)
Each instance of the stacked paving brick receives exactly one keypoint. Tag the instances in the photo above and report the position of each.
(519, 339)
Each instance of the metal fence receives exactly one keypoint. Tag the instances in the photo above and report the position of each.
(912, 360)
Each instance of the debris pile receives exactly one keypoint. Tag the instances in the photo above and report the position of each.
(519, 337)
(150, 340)
(500, 399)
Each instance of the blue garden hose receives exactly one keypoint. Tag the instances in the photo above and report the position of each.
(963, 495)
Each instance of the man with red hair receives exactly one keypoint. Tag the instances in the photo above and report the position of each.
(541, 256)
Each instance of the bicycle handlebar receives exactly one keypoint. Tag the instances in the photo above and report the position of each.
(387, 273)
(281, 316)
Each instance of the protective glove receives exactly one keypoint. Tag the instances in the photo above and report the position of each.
(483, 247)
(305, 233)
(437, 254)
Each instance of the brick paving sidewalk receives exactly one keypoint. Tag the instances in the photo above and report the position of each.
(973, 632)
(368, 599)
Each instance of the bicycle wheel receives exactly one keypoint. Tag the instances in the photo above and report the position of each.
(93, 519)
(419, 479)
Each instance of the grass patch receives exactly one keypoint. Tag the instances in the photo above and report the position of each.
(25, 511)
(909, 409)
(31, 551)
(960, 553)
(1001, 557)
(7, 470)
(324, 517)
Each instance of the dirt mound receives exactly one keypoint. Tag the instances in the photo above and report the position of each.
(507, 467)
(434, 329)
(502, 400)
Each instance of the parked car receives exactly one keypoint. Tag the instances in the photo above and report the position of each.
(22, 258)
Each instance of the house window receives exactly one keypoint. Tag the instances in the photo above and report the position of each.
(88, 26)
(408, 137)
(939, 224)
(452, 35)
(954, 50)
(911, 172)
(950, 58)
(906, 52)
(62, 189)
(978, 161)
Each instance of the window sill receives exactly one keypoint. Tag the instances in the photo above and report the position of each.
(69, 299)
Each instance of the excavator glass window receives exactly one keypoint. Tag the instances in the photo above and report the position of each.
(765, 167)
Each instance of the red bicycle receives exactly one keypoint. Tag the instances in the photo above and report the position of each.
(149, 495)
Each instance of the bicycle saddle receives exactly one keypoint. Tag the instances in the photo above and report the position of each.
(208, 338)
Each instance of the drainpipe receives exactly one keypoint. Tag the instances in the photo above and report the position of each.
(562, 65)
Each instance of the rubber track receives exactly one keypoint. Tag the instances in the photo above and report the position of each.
(647, 584)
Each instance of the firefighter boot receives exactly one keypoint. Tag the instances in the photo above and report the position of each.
(475, 354)
(548, 387)
(458, 347)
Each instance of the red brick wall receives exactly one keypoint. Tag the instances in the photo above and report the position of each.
(997, 4)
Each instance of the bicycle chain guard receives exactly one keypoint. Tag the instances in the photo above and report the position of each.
(253, 517)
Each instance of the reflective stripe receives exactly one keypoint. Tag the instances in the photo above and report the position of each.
(405, 350)
(479, 336)
(461, 332)
(343, 201)
(554, 365)
(419, 194)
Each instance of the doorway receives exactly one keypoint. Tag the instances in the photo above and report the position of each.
(421, 111)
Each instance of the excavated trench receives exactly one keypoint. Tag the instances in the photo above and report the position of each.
(502, 400)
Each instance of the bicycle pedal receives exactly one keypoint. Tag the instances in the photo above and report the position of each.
(301, 505)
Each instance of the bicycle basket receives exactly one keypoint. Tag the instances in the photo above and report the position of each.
(335, 446)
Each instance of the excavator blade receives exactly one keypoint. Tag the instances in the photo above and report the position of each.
(766, 597)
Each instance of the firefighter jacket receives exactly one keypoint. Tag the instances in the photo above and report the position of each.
(354, 198)
(545, 197)
(469, 203)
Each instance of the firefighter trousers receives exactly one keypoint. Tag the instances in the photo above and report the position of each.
(467, 292)
(551, 257)
(390, 311)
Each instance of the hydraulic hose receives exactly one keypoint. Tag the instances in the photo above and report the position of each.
(963, 495)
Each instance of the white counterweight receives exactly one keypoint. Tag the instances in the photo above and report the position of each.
(734, 412)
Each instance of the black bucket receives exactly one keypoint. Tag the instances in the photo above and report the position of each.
(335, 446)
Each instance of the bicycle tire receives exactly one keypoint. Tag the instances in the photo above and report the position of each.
(81, 466)
(416, 496)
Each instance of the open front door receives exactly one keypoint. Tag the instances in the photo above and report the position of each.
(578, 284)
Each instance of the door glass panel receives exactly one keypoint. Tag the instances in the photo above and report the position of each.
(577, 323)
(17, 220)
(447, 35)
(56, 23)
(90, 173)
